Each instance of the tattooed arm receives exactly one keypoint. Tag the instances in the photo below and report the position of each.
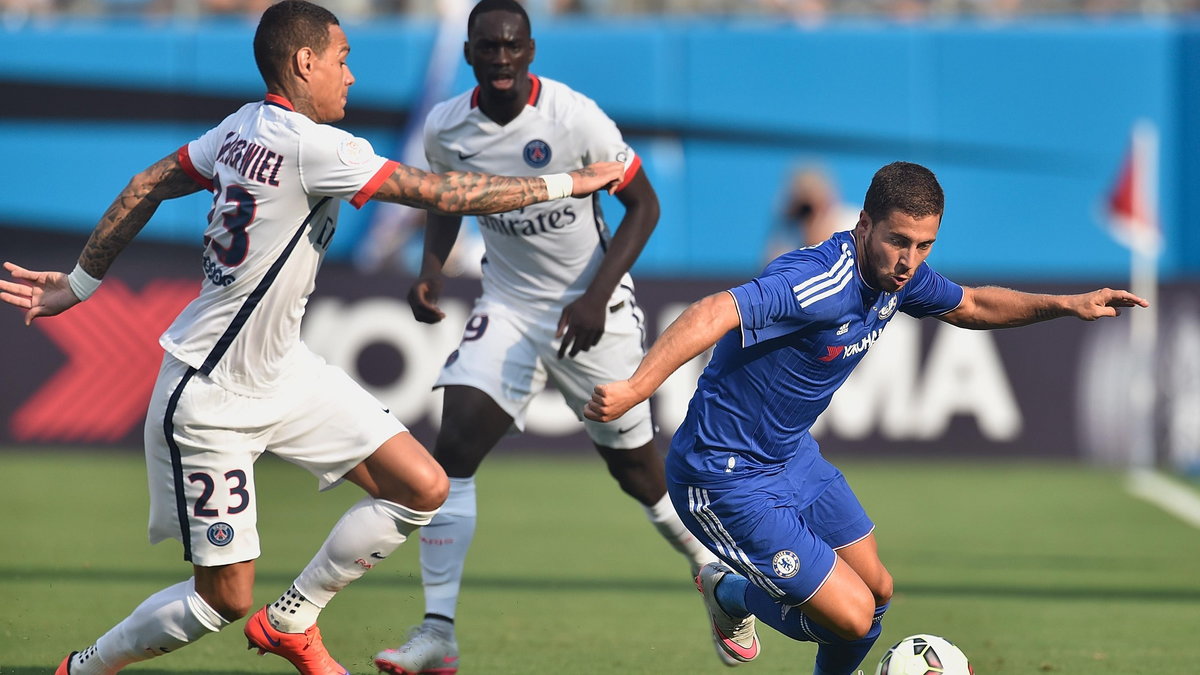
(994, 307)
(465, 193)
(49, 293)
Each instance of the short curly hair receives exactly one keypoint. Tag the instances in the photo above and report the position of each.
(906, 187)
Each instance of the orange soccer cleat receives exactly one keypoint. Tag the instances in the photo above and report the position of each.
(304, 650)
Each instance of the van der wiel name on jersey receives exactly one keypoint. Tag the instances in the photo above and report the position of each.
(514, 225)
(252, 160)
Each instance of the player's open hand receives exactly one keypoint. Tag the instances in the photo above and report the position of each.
(610, 401)
(601, 175)
(423, 299)
(39, 293)
(1104, 302)
(581, 325)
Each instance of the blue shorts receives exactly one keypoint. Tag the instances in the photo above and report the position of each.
(777, 526)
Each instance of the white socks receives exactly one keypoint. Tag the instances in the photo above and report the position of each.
(164, 622)
(662, 515)
(366, 534)
(176, 616)
(444, 544)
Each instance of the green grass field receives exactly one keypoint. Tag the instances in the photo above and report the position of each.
(1028, 568)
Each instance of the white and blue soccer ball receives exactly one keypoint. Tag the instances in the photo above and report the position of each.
(924, 655)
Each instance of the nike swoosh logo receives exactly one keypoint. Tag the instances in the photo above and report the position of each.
(377, 556)
(625, 431)
(273, 643)
(464, 156)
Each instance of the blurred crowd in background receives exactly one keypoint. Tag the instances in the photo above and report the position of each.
(17, 12)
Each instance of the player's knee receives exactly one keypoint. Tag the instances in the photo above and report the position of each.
(882, 589)
(430, 490)
(856, 619)
(854, 626)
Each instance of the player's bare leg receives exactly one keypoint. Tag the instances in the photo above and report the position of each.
(472, 424)
(404, 487)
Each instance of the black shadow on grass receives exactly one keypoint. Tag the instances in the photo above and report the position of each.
(411, 578)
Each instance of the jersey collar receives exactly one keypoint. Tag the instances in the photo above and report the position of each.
(535, 92)
(277, 100)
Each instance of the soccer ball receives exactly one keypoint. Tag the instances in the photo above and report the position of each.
(924, 655)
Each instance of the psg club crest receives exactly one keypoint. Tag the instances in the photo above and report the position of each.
(537, 153)
(785, 564)
(220, 534)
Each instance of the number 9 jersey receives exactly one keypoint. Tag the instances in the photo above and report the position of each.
(276, 178)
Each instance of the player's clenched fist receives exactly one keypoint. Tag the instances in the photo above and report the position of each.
(593, 177)
(610, 401)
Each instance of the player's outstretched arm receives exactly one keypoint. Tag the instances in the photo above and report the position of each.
(698, 328)
(51, 293)
(581, 324)
(467, 193)
(993, 307)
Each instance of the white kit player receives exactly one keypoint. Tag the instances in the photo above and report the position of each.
(557, 304)
(236, 381)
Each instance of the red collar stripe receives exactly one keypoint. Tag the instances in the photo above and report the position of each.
(535, 89)
(535, 92)
(276, 99)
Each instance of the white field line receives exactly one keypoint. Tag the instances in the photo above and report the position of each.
(1167, 494)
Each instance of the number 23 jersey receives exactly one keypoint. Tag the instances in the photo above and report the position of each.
(277, 178)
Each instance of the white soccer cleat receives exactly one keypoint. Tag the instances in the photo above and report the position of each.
(736, 639)
(428, 651)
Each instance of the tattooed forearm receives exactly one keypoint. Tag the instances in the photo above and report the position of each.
(461, 192)
(1045, 314)
(131, 210)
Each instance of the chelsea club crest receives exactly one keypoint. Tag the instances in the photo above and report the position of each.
(888, 309)
(785, 564)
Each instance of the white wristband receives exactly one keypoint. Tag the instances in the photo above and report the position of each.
(559, 185)
(82, 283)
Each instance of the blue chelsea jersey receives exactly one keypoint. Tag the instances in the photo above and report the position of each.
(806, 322)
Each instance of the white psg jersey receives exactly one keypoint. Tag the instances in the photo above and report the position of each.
(277, 178)
(542, 256)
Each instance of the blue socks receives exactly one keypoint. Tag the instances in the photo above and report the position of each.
(835, 655)
(731, 595)
(840, 657)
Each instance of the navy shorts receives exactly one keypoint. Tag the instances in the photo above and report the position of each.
(778, 527)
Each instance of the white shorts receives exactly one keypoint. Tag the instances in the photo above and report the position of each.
(509, 355)
(202, 442)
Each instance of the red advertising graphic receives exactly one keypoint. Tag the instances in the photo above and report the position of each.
(111, 343)
(1053, 390)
